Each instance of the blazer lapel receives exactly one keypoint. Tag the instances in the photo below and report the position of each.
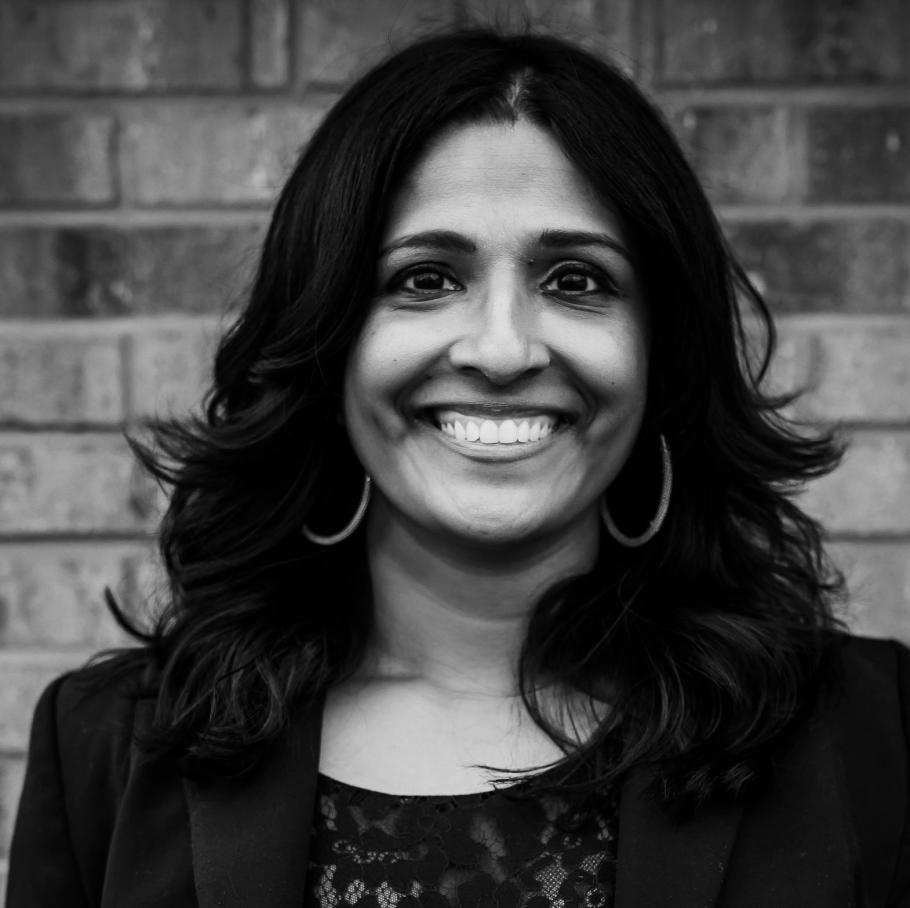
(792, 840)
(250, 838)
(665, 864)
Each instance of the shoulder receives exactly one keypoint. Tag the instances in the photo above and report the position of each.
(89, 716)
(875, 680)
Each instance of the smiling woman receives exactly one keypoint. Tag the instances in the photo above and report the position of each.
(487, 585)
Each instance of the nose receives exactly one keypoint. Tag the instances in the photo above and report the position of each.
(501, 339)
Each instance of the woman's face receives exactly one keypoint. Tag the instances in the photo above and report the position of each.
(500, 379)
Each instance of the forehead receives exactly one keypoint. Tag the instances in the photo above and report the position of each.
(497, 175)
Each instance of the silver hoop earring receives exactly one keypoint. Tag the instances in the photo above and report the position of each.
(654, 526)
(343, 534)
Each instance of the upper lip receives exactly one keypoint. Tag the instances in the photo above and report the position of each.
(500, 410)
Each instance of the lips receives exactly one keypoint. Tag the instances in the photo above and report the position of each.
(495, 426)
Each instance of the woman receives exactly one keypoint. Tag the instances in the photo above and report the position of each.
(486, 582)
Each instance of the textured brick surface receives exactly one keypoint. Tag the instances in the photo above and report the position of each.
(862, 373)
(78, 45)
(745, 154)
(850, 369)
(606, 28)
(56, 378)
(52, 595)
(269, 42)
(859, 155)
(56, 159)
(870, 492)
(860, 265)
(171, 367)
(339, 39)
(23, 676)
(779, 40)
(12, 775)
(103, 271)
(56, 483)
(878, 576)
(217, 154)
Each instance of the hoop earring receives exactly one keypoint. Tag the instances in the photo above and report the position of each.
(654, 526)
(343, 534)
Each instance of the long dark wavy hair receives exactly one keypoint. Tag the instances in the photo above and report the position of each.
(710, 638)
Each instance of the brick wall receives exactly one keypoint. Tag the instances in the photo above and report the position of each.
(141, 142)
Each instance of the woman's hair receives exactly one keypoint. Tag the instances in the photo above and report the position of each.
(709, 638)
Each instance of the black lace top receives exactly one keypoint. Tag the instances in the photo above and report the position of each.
(491, 849)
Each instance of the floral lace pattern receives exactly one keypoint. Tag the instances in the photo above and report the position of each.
(377, 850)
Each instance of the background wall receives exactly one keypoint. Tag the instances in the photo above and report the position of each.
(142, 142)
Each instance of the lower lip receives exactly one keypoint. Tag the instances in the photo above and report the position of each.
(477, 450)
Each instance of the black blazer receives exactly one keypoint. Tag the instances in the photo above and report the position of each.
(98, 825)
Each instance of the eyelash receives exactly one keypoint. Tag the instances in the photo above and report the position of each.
(607, 285)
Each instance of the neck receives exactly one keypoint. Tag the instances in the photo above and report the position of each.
(454, 616)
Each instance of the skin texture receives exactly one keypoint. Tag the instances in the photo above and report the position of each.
(504, 310)
(498, 331)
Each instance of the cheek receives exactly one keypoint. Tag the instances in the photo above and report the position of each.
(380, 367)
(612, 361)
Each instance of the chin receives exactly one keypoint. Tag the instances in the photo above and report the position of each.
(495, 529)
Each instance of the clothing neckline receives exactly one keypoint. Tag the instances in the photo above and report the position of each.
(461, 797)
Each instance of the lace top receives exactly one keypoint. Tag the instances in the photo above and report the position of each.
(378, 850)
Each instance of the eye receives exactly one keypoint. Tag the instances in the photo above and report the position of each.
(578, 279)
(424, 280)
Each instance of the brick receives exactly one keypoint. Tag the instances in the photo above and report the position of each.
(89, 271)
(83, 45)
(831, 265)
(215, 154)
(53, 595)
(81, 483)
(339, 39)
(269, 43)
(59, 378)
(606, 28)
(23, 677)
(870, 492)
(859, 155)
(713, 41)
(56, 159)
(171, 368)
(745, 154)
(862, 373)
(878, 578)
(12, 776)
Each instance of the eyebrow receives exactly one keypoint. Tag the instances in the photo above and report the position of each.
(450, 241)
(561, 239)
(446, 240)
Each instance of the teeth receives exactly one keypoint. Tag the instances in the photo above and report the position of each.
(501, 432)
(489, 432)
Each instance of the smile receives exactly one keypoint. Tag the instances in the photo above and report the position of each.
(520, 429)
